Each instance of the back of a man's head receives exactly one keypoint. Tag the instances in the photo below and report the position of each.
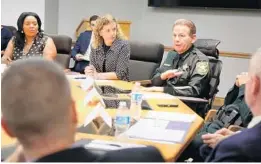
(255, 66)
(253, 86)
(36, 100)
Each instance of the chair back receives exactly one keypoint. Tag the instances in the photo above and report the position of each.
(145, 58)
(63, 45)
(209, 48)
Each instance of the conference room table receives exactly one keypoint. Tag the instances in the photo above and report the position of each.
(170, 152)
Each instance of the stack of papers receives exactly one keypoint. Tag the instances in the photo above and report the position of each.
(167, 127)
(148, 129)
(111, 145)
(171, 116)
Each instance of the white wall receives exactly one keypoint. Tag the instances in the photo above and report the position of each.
(51, 16)
(239, 31)
(11, 10)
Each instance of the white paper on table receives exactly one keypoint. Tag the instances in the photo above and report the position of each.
(99, 110)
(89, 96)
(106, 117)
(165, 96)
(171, 116)
(87, 83)
(76, 76)
(93, 114)
(111, 145)
(146, 129)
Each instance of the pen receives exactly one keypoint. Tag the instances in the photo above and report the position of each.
(80, 78)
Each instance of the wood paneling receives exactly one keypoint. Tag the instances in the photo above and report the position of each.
(85, 25)
(222, 53)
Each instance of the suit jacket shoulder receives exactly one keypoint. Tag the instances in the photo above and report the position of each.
(86, 33)
(242, 147)
(79, 154)
(200, 56)
(147, 154)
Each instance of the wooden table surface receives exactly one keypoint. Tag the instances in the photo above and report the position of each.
(170, 152)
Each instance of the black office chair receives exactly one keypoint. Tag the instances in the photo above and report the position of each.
(63, 45)
(209, 48)
(145, 58)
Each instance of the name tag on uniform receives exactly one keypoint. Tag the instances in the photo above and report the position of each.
(185, 67)
(167, 65)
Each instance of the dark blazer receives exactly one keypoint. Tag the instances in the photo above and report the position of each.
(81, 47)
(6, 35)
(80, 154)
(242, 147)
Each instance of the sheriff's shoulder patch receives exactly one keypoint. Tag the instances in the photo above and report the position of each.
(202, 67)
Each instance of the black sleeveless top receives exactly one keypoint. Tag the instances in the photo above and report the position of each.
(35, 50)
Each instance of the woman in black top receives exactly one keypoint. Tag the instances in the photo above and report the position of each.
(29, 40)
(110, 51)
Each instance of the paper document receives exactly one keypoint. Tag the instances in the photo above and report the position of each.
(148, 129)
(87, 83)
(99, 110)
(171, 116)
(86, 57)
(90, 96)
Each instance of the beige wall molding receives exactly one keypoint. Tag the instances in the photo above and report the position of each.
(222, 53)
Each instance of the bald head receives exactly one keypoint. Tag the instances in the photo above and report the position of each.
(36, 98)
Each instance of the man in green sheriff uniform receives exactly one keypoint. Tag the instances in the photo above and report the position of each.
(185, 71)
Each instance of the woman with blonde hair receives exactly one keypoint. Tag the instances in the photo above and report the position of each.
(110, 51)
(110, 54)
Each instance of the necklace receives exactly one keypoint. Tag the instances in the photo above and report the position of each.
(27, 47)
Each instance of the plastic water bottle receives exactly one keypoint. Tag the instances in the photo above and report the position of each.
(136, 100)
(122, 120)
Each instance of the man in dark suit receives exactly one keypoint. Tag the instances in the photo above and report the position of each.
(6, 35)
(81, 51)
(41, 114)
(245, 146)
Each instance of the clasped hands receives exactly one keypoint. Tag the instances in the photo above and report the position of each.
(91, 71)
(213, 139)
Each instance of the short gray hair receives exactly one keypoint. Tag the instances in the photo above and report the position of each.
(36, 98)
(187, 23)
(255, 63)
